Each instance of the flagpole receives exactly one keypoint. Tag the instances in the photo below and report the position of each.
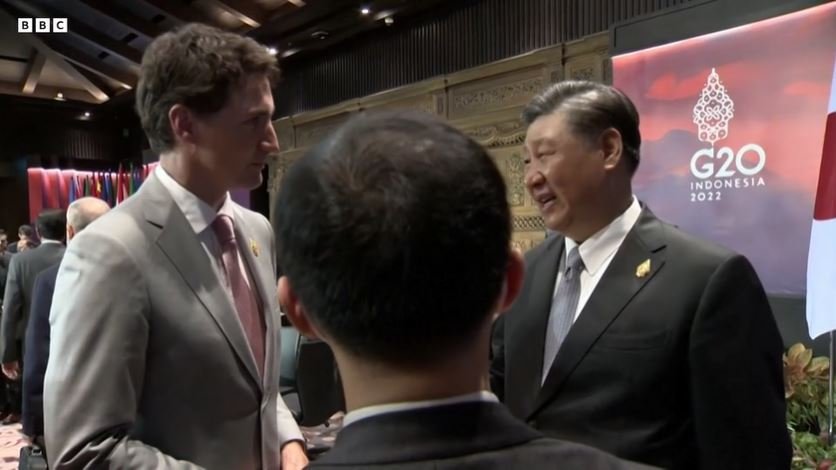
(830, 394)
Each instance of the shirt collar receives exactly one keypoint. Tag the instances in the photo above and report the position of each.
(370, 411)
(599, 247)
(199, 214)
(47, 240)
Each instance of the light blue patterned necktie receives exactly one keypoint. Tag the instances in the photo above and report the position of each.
(564, 305)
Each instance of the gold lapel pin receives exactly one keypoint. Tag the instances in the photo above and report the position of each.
(254, 247)
(643, 269)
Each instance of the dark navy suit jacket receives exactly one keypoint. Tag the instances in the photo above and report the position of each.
(36, 354)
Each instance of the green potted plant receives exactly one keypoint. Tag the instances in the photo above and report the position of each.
(805, 388)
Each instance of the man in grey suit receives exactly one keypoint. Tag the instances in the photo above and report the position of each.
(395, 240)
(17, 300)
(165, 343)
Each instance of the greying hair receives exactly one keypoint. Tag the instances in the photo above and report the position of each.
(591, 108)
(82, 212)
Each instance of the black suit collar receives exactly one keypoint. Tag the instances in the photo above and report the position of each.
(426, 434)
(619, 284)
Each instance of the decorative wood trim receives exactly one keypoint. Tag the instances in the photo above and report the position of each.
(484, 102)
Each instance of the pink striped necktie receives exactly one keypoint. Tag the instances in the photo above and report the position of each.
(246, 303)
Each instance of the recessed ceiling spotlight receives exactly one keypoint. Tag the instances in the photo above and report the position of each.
(272, 50)
(389, 21)
(365, 10)
(289, 52)
(59, 96)
(87, 114)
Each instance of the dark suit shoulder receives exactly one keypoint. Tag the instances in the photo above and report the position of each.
(48, 275)
(533, 255)
(573, 455)
(697, 255)
(541, 453)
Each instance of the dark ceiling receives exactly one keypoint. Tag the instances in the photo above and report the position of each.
(98, 59)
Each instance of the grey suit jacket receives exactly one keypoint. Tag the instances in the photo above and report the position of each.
(150, 367)
(23, 269)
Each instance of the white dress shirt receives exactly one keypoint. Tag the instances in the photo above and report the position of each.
(200, 216)
(376, 410)
(596, 252)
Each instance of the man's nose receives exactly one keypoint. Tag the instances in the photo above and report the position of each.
(270, 143)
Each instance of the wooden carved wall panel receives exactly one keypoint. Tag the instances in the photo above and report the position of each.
(515, 172)
(311, 133)
(429, 103)
(587, 59)
(285, 133)
(529, 223)
(526, 243)
(499, 134)
(495, 93)
(498, 96)
(607, 70)
(510, 163)
(485, 102)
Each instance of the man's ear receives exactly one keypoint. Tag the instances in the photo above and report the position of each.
(294, 310)
(612, 148)
(514, 276)
(181, 120)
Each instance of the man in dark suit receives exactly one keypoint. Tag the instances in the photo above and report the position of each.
(394, 240)
(5, 260)
(81, 213)
(630, 335)
(26, 240)
(23, 270)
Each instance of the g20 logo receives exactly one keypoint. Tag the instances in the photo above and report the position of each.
(730, 163)
(721, 168)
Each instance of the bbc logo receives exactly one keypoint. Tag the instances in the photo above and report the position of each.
(42, 25)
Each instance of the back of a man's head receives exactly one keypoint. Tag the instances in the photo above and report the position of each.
(82, 212)
(394, 233)
(51, 224)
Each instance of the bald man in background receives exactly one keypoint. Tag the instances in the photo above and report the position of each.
(80, 214)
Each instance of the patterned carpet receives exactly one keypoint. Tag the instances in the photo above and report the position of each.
(11, 440)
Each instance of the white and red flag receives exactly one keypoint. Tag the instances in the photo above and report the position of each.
(821, 264)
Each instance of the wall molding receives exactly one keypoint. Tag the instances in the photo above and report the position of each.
(484, 102)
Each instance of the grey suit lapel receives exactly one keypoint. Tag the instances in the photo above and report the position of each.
(614, 291)
(182, 247)
(264, 284)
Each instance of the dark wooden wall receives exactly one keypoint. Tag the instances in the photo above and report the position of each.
(465, 34)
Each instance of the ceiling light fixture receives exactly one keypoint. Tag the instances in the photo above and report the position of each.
(272, 50)
(389, 21)
(87, 114)
(59, 96)
(289, 52)
(365, 10)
